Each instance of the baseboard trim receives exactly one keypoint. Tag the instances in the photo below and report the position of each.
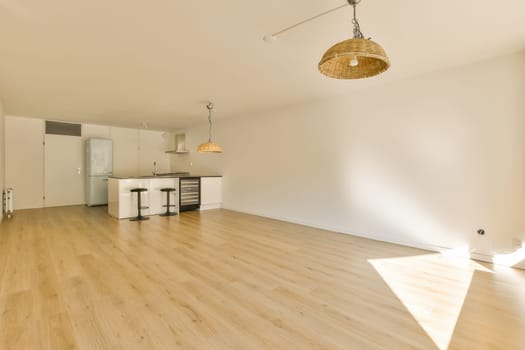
(210, 206)
(418, 245)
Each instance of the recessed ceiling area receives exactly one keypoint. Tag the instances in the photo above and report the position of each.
(159, 62)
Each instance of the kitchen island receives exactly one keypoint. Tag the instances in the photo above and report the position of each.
(123, 204)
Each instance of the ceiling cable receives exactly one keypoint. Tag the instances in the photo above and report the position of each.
(357, 28)
(210, 107)
(269, 38)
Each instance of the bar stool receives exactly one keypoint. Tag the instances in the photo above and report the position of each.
(139, 217)
(168, 190)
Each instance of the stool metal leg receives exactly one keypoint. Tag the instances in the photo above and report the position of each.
(139, 217)
(168, 212)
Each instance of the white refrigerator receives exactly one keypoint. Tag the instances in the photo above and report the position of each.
(99, 166)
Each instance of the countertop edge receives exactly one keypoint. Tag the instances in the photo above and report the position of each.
(158, 177)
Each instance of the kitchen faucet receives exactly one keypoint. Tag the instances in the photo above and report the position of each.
(155, 168)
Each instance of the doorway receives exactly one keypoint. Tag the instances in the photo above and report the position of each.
(63, 170)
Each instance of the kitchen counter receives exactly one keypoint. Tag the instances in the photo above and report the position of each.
(122, 203)
(164, 176)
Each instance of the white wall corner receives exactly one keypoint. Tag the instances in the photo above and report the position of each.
(2, 159)
(412, 169)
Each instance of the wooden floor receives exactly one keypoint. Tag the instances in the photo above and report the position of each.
(75, 278)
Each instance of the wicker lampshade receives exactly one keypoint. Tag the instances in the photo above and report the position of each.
(209, 147)
(371, 59)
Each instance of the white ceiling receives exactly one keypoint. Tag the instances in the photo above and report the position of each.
(125, 62)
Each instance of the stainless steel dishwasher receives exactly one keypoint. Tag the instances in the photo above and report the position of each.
(190, 193)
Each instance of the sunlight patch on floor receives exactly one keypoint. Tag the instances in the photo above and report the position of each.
(433, 295)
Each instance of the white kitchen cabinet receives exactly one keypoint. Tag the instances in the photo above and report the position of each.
(125, 151)
(92, 130)
(123, 204)
(157, 199)
(152, 148)
(211, 193)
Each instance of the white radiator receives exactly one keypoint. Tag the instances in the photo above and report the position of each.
(8, 202)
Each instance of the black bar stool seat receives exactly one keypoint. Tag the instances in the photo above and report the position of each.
(139, 217)
(168, 190)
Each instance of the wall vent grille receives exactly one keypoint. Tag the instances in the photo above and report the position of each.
(60, 128)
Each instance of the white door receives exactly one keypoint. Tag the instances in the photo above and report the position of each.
(64, 170)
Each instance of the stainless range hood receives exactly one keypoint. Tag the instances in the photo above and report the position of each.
(180, 145)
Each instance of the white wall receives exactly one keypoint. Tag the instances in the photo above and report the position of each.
(125, 151)
(134, 153)
(24, 161)
(2, 155)
(152, 147)
(421, 162)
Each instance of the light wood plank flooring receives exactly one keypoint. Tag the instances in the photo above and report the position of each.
(75, 278)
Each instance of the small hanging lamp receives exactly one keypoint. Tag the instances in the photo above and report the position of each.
(209, 147)
(354, 58)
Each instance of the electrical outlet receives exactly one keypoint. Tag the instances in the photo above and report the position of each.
(517, 243)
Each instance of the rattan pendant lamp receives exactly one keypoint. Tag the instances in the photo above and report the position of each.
(209, 147)
(354, 58)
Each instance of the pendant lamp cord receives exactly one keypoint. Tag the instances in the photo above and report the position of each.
(210, 107)
(357, 28)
